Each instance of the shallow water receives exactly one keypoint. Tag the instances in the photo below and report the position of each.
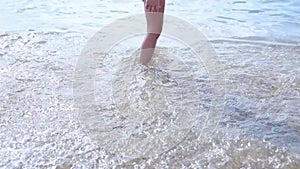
(256, 41)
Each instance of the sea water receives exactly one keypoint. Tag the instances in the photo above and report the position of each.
(256, 42)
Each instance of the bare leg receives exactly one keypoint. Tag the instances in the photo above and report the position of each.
(154, 18)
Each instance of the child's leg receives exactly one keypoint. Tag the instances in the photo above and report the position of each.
(154, 28)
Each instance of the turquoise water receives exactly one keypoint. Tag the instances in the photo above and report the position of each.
(258, 18)
(257, 42)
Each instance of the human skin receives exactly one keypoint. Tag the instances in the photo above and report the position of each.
(154, 11)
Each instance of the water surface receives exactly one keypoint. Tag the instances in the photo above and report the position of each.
(257, 42)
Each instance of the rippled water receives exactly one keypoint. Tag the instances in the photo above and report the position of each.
(257, 42)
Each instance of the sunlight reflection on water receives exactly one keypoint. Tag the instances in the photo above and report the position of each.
(257, 42)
